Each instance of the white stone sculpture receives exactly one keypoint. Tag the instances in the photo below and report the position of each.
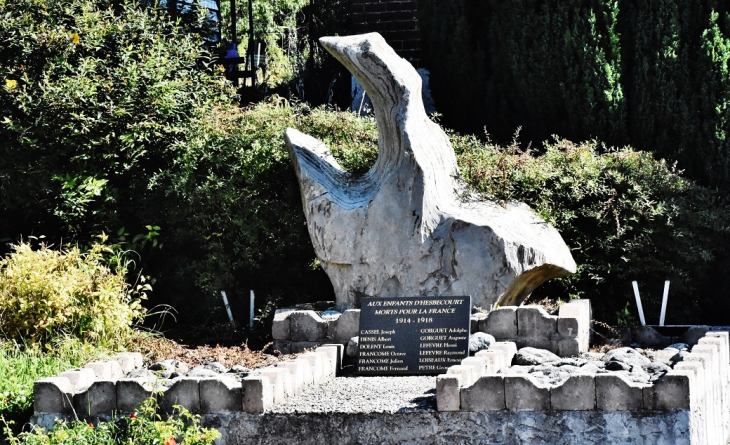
(405, 228)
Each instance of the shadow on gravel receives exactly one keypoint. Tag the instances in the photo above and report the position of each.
(423, 403)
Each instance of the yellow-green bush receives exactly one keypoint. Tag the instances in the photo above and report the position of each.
(48, 293)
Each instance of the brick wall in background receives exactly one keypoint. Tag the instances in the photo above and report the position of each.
(395, 20)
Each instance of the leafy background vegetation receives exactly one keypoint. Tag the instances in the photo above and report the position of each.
(650, 74)
(120, 128)
(128, 153)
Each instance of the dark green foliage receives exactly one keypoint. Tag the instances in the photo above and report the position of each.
(91, 101)
(677, 83)
(551, 66)
(653, 74)
(625, 215)
(237, 220)
(113, 123)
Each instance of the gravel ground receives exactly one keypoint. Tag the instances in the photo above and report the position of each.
(366, 395)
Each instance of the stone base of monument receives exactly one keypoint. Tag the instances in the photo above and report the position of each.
(687, 404)
(104, 389)
(485, 399)
(565, 334)
(663, 336)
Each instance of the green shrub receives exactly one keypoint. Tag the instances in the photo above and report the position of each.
(48, 294)
(236, 221)
(625, 215)
(144, 427)
(21, 365)
(92, 96)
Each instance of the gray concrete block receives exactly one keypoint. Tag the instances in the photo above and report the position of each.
(347, 326)
(575, 394)
(508, 350)
(277, 379)
(467, 373)
(725, 337)
(648, 337)
(258, 395)
(318, 366)
(305, 370)
(448, 392)
(486, 394)
(220, 395)
(281, 327)
(694, 334)
(501, 323)
(670, 393)
(99, 398)
(338, 351)
(80, 379)
(301, 375)
(568, 347)
(615, 393)
(580, 310)
(330, 356)
(184, 392)
(476, 321)
(724, 367)
(307, 326)
(524, 393)
(129, 361)
(534, 322)
(542, 343)
(105, 370)
(697, 374)
(478, 363)
(568, 327)
(53, 395)
(283, 346)
(131, 393)
(301, 346)
(495, 360)
(720, 343)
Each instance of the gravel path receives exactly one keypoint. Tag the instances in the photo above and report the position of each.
(366, 395)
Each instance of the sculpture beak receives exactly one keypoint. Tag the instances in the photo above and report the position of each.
(376, 66)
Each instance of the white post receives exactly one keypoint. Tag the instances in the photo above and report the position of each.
(664, 303)
(228, 308)
(250, 319)
(638, 303)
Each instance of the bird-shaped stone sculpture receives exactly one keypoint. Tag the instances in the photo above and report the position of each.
(405, 228)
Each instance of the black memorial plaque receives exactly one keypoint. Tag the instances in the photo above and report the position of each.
(413, 335)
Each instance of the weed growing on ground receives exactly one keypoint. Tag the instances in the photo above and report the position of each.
(143, 427)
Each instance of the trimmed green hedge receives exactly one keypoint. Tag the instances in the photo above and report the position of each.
(625, 215)
(650, 74)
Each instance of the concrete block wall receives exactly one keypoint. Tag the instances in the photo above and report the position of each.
(99, 390)
(566, 334)
(698, 385)
(296, 330)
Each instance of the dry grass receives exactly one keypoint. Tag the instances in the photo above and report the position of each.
(155, 349)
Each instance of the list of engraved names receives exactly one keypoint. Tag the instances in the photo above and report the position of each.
(413, 335)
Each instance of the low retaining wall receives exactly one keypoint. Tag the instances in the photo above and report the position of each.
(565, 334)
(698, 387)
(419, 428)
(100, 390)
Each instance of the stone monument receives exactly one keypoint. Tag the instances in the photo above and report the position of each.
(408, 226)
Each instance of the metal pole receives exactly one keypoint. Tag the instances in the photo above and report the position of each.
(234, 37)
(250, 319)
(249, 49)
(638, 303)
(664, 303)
